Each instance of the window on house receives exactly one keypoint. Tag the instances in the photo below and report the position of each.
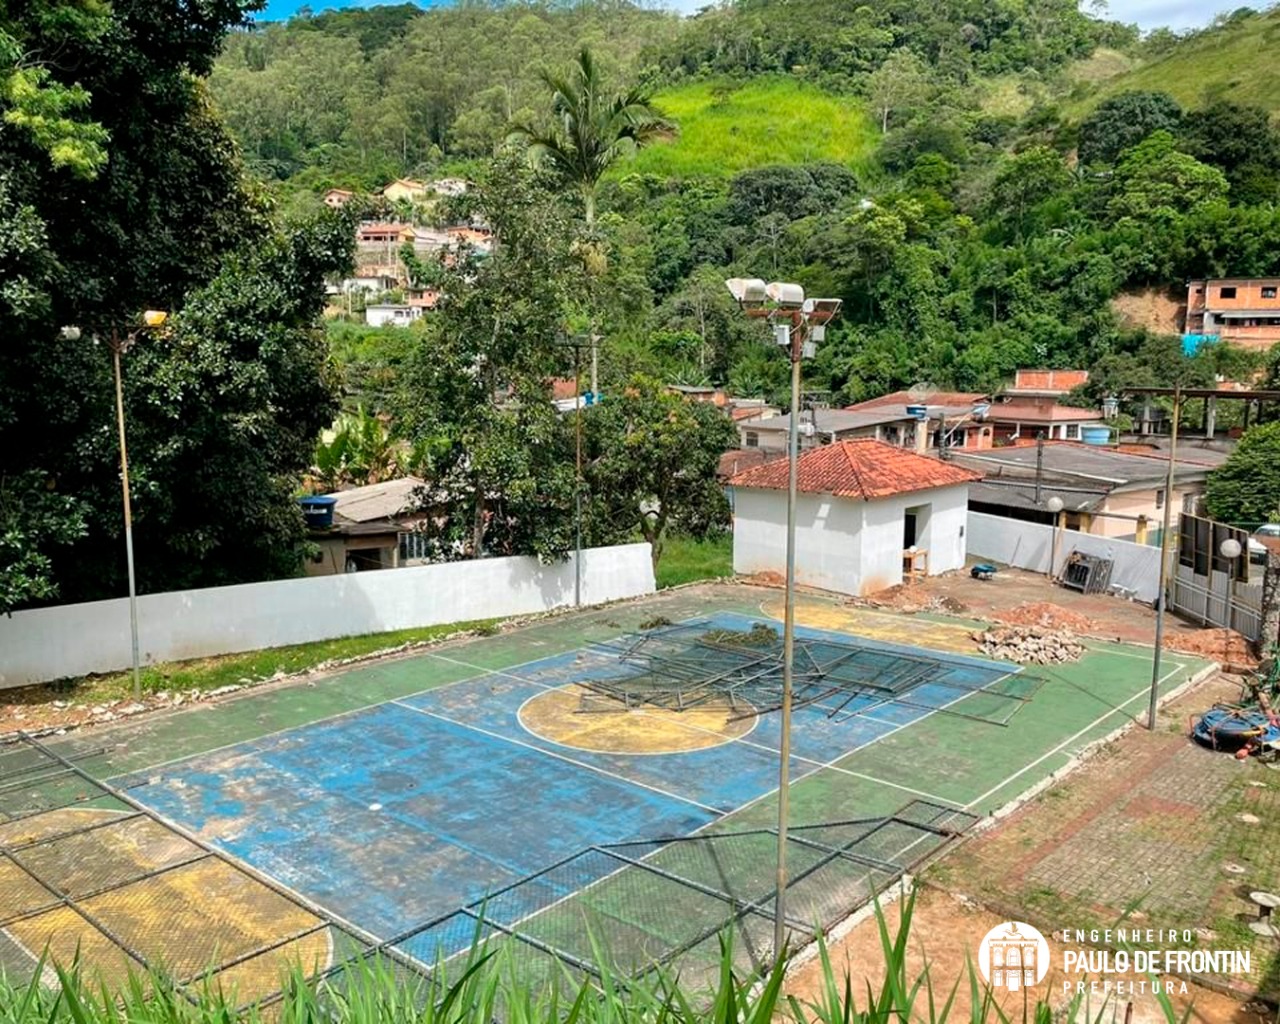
(752, 439)
(414, 545)
(1073, 431)
(1227, 292)
(1269, 292)
(1160, 499)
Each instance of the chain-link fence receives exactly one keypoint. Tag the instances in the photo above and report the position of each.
(86, 871)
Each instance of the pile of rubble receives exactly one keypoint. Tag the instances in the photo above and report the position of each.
(1030, 645)
(1048, 616)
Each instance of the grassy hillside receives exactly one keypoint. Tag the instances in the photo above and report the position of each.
(1236, 62)
(725, 129)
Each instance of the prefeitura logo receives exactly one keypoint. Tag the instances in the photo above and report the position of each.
(1013, 956)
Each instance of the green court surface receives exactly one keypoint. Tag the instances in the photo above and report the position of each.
(907, 782)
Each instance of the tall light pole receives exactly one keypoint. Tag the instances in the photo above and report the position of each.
(1162, 596)
(152, 319)
(578, 344)
(798, 325)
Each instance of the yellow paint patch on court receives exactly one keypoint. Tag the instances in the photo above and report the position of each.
(575, 716)
(141, 887)
(898, 629)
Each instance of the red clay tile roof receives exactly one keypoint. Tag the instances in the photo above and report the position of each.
(860, 468)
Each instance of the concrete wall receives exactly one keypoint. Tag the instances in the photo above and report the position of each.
(72, 640)
(827, 529)
(1136, 567)
(852, 547)
(1139, 503)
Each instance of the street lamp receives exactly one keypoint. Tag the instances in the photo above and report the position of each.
(798, 325)
(1230, 549)
(1054, 505)
(152, 319)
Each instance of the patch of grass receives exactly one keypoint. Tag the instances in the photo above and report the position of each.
(725, 128)
(1100, 66)
(685, 560)
(233, 669)
(1236, 62)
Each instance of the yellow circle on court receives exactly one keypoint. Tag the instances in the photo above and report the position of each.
(576, 716)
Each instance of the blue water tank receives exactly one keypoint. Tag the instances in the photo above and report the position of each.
(317, 510)
(919, 412)
(1095, 435)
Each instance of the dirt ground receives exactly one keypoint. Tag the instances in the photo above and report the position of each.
(1149, 813)
(946, 929)
(1008, 596)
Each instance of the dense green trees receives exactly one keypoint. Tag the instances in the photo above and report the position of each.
(1246, 488)
(222, 413)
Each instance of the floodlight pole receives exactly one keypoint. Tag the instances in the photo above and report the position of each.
(796, 348)
(1162, 596)
(118, 346)
(577, 476)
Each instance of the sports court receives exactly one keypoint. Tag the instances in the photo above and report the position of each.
(603, 780)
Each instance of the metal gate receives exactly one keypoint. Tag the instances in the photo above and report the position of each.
(1206, 586)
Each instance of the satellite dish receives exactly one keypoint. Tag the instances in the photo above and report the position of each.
(921, 393)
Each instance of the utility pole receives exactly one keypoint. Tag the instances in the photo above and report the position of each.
(1162, 597)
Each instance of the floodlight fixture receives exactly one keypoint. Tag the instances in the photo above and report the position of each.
(1054, 504)
(749, 292)
(820, 311)
(785, 295)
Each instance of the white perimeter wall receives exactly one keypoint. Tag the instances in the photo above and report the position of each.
(851, 547)
(1136, 567)
(75, 639)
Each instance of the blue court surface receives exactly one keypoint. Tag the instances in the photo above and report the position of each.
(398, 814)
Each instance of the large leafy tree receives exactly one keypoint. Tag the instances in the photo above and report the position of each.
(1123, 121)
(161, 218)
(652, 460)
(1246, 489)
(475, 399)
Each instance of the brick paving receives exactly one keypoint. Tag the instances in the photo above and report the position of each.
(1151, 823)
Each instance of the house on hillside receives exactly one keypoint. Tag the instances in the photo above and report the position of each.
(336, 198)
(404, 190)
(868, 515)
(392, 314)
(1044, 383)
(1242, 310)
(374, 527)
(1026, 418)
(1105, 492)
(384, 236)
(957, 420)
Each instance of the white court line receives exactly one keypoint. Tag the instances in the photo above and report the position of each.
(820, 764)
(350, 711)
(1118, 709)
(561, 757)
(809, 760)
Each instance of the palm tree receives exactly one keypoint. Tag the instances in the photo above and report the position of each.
(591, 129)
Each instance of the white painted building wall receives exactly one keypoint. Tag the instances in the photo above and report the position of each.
(1135, 567)
(75, 639)
(842, 544)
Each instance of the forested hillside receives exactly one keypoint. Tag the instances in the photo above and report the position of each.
(937, 166)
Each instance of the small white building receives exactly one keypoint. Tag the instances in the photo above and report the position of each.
(867, 513)
(391, 314)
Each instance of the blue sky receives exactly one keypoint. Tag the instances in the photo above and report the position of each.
(1178, 14)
